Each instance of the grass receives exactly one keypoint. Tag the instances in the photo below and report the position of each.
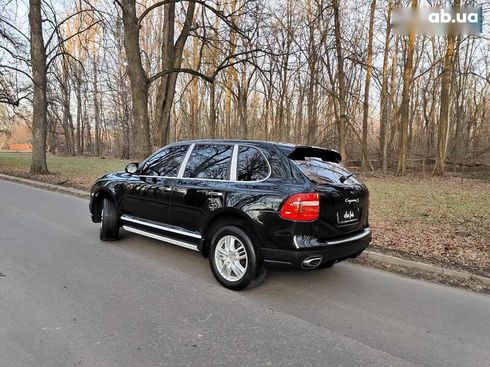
(79, 172)
(70, 166)
(440, 220)
(430, 201)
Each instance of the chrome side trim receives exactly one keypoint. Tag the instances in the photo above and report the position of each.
(152, 224)
(189, 246)
(152, 176)
(185, 160)
(278, 262)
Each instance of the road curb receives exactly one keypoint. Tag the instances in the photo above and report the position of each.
(430, 268)
(47, 186)
(368, 255)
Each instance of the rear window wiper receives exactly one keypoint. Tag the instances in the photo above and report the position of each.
(343, 178)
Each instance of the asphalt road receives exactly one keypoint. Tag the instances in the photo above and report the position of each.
(68, 299)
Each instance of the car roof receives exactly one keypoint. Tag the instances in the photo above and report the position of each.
(291, 150)
(230, 141)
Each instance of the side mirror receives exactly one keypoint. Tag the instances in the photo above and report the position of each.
(132, 168)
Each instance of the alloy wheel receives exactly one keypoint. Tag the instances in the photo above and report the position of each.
(231, 258)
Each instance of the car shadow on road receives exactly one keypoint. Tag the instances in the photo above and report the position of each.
(194, 264)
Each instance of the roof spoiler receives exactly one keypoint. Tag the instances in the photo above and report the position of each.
(300, 152)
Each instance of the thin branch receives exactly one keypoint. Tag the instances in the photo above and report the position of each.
(203, 3)
(60, 54)
(16, 69)
(57, 26)
(209, 78)
(73, 35)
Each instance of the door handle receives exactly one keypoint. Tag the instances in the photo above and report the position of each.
(166, 188)
(214, 193)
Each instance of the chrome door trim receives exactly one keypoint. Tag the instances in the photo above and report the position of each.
(214, 193)
(234, 163)
(180, 174)
(235, 168)
(160, 226)
(173, 241)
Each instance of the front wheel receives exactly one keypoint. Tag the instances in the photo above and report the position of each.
(109, 221)
(234, 260)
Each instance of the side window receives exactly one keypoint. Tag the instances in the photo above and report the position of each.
(278, 166)
(166, 163)
(209, 161)
(252, 166)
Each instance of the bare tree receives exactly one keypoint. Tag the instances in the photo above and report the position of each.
(405, 103)
(39, 102)
(139, 81)
(367, 85)
(447, 78)
(342, 122)
(383, 120)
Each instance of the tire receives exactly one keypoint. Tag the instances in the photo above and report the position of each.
(109, 221)
(234, 259)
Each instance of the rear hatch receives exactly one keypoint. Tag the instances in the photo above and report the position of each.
(344, 199)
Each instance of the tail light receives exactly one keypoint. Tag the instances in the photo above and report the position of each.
(303, 207)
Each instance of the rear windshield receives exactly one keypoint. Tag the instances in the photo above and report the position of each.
(322, 172)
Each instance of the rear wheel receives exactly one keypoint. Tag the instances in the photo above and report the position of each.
(234, 260)
(109, 226)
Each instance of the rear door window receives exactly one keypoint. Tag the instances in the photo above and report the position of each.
(252, 165)
(209, 161)
(322, 172)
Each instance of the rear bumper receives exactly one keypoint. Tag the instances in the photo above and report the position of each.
(333, 251)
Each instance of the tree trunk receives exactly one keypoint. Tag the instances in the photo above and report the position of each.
(392, 108)
(242, 101)
(383, 123)
(66, 120)
(98, 148)
(141, 147)
(39, 102)
(78, 91)
(212, 110)
(443, 129)
(365, 158)
(171, 59)
(342, 123)
(405, 106)
(311, 103)
(89, 146)
(51, 137)
(194, 91)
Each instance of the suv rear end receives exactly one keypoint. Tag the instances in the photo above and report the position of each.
(328, 221)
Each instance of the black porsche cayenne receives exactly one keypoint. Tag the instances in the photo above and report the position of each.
(240, 203)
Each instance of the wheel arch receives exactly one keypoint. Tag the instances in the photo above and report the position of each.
(98, 199)
(229, 216)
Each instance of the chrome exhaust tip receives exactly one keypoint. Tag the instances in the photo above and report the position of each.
(311, 262)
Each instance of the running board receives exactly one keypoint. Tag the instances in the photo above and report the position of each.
(173, 241)
(159, 226)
